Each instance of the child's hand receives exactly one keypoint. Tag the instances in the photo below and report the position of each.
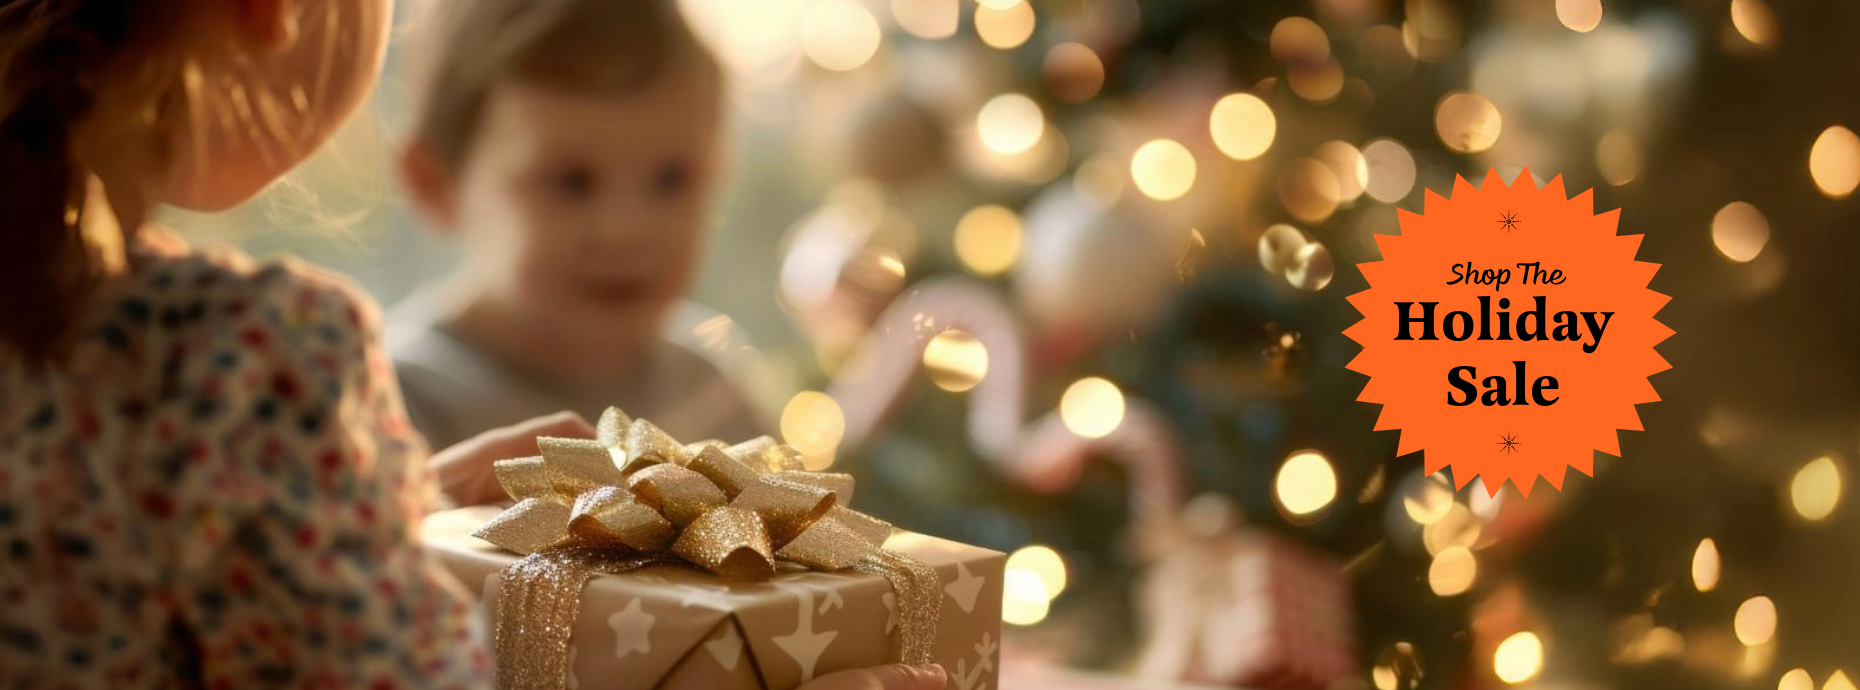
(464, 470)
(892, 677)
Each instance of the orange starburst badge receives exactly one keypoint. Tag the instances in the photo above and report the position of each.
(1508, 332)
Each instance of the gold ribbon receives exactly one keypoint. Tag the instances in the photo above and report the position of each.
(634, 497)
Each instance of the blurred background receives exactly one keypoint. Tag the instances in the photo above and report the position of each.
(1066, 278)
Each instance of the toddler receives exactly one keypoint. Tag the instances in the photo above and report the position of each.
(570, 147)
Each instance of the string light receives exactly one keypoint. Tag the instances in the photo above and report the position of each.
(1347, 166)
(839, 35)
(1755, 623)
(1752, 20)
(1452, 571)
(1073, 72)
(1398, 668)
(988, 239)
(1519, 658)
(1092, 407)
(1163, 169)
(1010, 123)
(955, 360)
(1580, 16)
(1816, 489)
(1467, 122)
(1390, 168)
(1024, 599)
(1617, 157)
(1458, 528)
(1427, 499)
(1739, 231)
(1834, 162)
(1006, 27)
(1242, 126)
(813, 423)
(1044, 563)
(1308, 190)
(1796, 679)
(1705, 565)
(928, 19)
(1306, 484)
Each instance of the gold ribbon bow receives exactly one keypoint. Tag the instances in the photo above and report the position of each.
(634, 496)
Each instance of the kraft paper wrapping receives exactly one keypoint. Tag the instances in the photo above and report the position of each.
(673, 627)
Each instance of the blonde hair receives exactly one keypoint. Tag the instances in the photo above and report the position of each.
(592, 46)
(101, 63)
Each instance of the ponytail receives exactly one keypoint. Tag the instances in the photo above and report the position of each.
(50, 55)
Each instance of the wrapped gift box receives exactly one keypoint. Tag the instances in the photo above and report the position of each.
(673, 626)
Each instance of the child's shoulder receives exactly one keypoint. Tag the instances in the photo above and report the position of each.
(221, 300)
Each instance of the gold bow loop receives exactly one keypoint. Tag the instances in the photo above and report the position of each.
(731, 510)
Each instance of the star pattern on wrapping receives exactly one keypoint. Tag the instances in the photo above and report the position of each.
(804, 645)
(632, 630)
(964, 588)
(727, 648)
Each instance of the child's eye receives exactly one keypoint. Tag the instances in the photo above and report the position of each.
(671, 179)
(574, 182)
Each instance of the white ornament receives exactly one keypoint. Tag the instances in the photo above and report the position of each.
(632, 630)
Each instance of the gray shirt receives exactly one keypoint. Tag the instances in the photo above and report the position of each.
(455, 389)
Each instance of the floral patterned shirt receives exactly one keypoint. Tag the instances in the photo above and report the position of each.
(218, 488)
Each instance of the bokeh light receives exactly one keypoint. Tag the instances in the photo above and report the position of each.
(1391, 170)
(1312, 267)
(1452, 571)
(1308, 190)
(1306, 483)
(1519, 658)
(839, 35)
(1044, 563)
(955, 360)
(1163, 169)
(1092, 407)
(1705, 565)
(1581, 16)
(1427, 499)
(1459, 527)
(1298, 41)
(1753, 21)
(1073, 72)
(988, 239)
(1024, 598)
(1318, 83)
(1816, 489)
(1242, 125)
(1834, 162)
(1347, 166)
(1398, 668)
(1739, 231)
(1004, 28)
(1278, 247)
(1010, 123)
(1100, 181)
(1755, 623)
(813, 423)
(1796, 679)
(1467, 122)
(1617, 157)
(931, 19)
(1838, 681)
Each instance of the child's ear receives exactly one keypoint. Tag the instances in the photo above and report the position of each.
(267, 25)
(429, 184)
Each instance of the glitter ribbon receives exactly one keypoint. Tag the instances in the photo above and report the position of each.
(634, 497)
